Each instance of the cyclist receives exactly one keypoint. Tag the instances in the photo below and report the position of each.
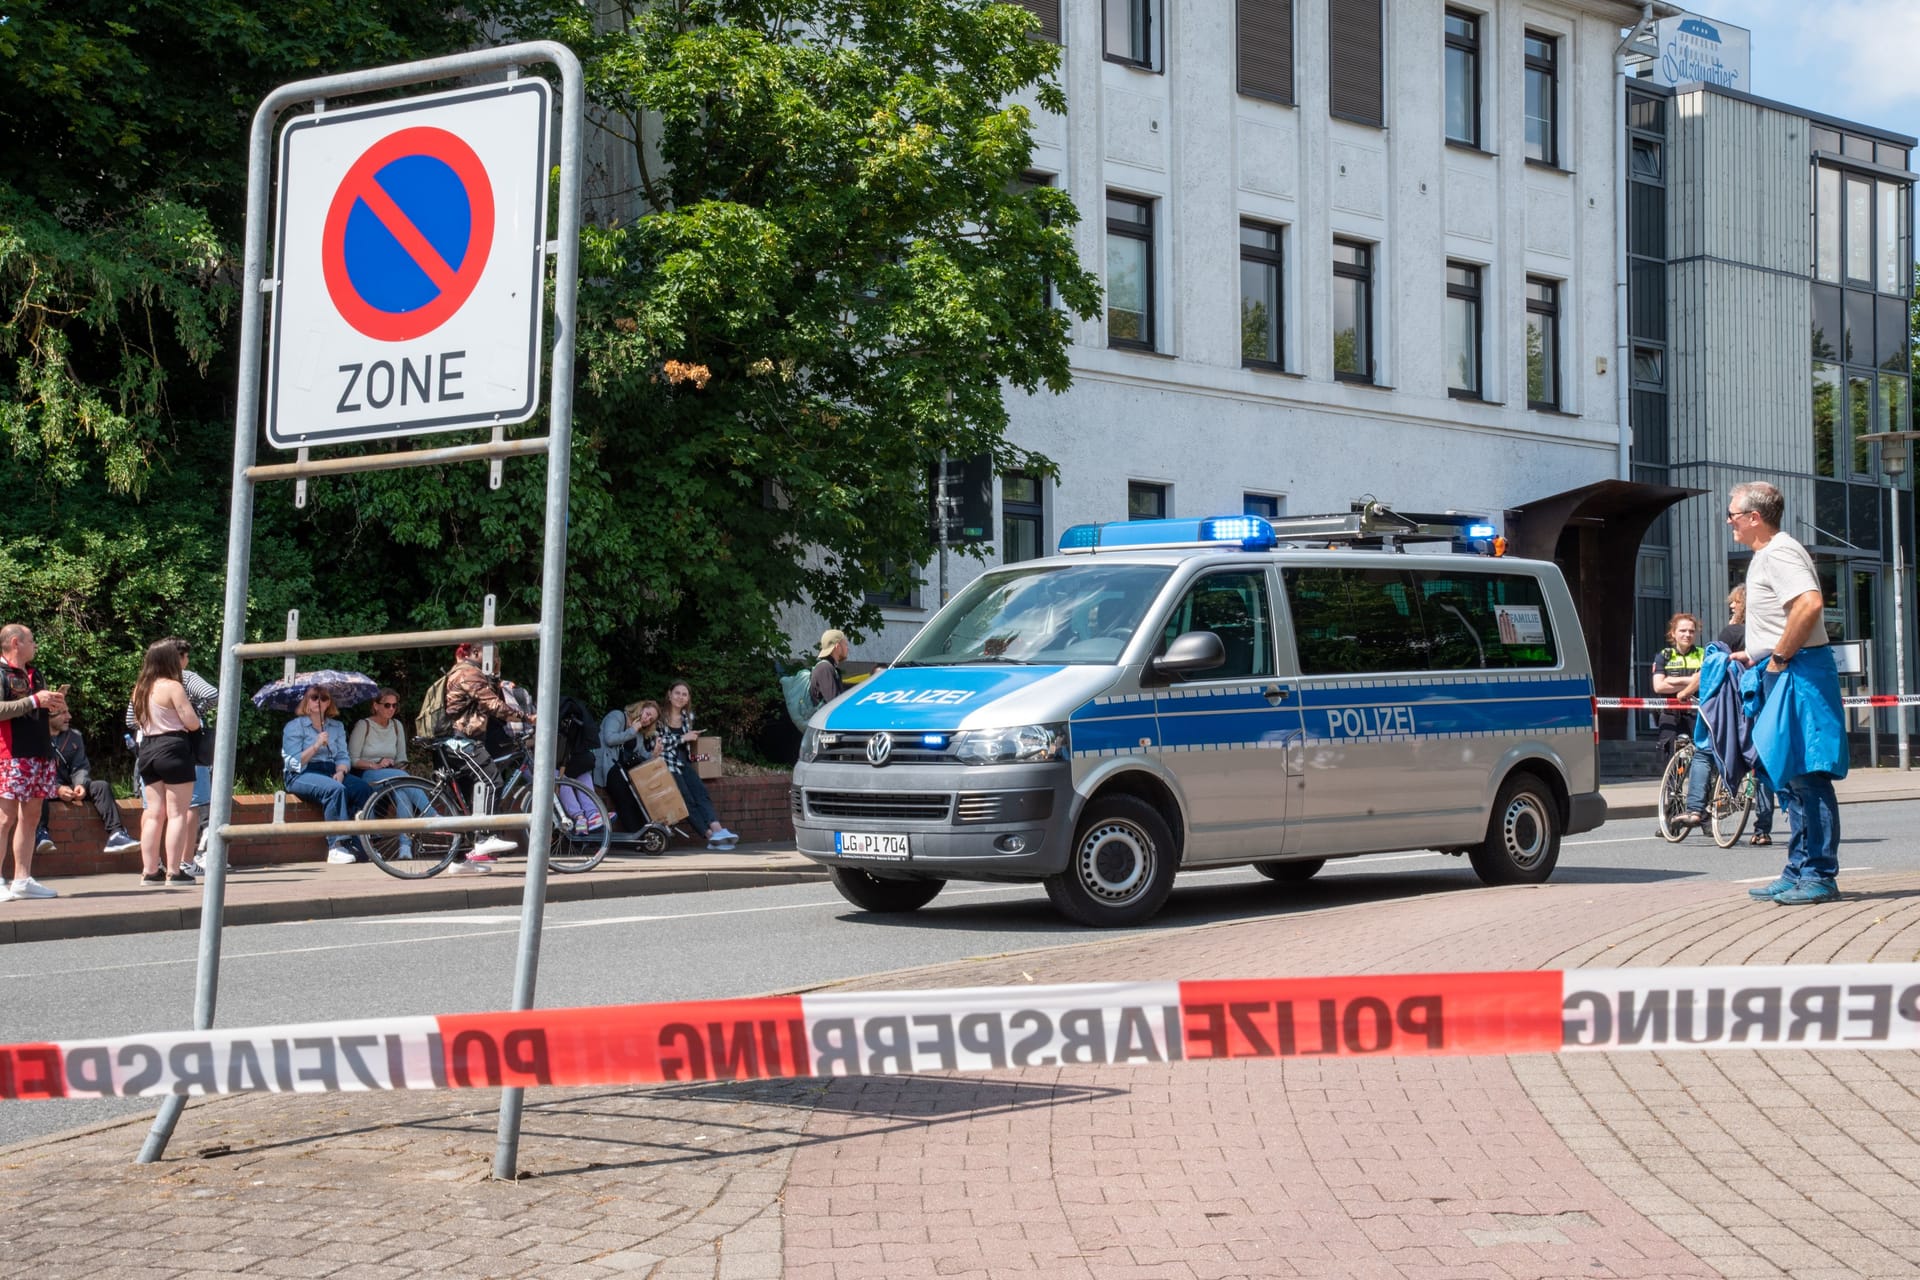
(480, 714)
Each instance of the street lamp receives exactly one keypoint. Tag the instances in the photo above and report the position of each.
(1893, 461)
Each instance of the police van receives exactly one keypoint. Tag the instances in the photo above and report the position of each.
(1172, 694)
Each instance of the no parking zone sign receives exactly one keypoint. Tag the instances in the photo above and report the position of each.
(408, 259)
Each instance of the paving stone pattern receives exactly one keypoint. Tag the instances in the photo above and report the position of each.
(1627, 1164)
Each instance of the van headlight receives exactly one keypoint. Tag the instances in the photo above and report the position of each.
(1021, 744)
(809, 745)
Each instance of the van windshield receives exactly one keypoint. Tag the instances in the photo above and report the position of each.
(1075, 615)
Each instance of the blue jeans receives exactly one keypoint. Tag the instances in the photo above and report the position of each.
(1697, 774)
(202, 786)
(339, 801)
(408, 802)
(1813, 851)
(1762, 803)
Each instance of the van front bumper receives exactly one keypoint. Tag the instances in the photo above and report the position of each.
(1585, 811)
(962, 822)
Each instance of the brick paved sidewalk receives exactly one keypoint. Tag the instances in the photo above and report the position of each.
(1644, 1164)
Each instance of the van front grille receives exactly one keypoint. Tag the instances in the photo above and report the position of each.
(930, 806)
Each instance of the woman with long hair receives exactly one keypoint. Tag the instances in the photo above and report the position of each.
(165, 719)
(677, 739)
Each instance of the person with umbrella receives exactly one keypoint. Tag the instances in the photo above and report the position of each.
(313, 747)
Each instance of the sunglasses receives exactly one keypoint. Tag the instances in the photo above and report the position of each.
(1735, 515)
(388, 705)
(320, 697)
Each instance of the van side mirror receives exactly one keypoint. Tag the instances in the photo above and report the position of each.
(1194, 651)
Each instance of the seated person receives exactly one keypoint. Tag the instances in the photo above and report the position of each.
(74, 775)
(378, 749)
(313, 747)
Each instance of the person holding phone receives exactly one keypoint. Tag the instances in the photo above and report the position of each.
(678, 737)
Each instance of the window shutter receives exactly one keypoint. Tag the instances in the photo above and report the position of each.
(1355, 49)
(1265, 49)
(1048, 11)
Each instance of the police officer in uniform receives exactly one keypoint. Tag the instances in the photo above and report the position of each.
(1676, 674)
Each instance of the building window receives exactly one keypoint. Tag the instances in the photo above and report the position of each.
(1352, 311)
(1463, 77)
(1859, 257)
(1266, 505)
(1129, 272)
(1826, 418)
(1543, 343)
(1263, 48)
(1146, 501)
(1463, 331)
(1355, 51)
(1132, 32)
(1048, 11)
(1261, 334)
(1646, 162)
(1022, 518)
(1542, 98)
(902, 589)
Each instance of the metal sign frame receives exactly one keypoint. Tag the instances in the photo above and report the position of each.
(557, 445)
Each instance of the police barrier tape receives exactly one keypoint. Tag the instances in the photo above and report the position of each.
(994, 1028)
(1688, 704)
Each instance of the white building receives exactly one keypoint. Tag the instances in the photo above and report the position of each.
(1350, 247)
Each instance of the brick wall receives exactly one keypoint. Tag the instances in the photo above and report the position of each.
(755, 808)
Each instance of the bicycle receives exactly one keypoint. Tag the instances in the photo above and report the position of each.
(582, 828)
(1727, 808)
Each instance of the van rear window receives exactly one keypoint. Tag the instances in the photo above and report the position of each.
(1352, 620)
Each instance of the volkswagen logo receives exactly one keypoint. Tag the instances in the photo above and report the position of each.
(879, 749)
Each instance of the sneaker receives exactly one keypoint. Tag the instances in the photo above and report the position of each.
(338, 856)
(44, 844)
(120, 842)
(1773, 890)
(6, 891)
(31, 888)
(1809, 891)
(182, 876)
(193, 868)
(719, 844)
(201, 845)
(724, 834)
(486, 849)
(155, 877)
(405, 850)
(469, 868)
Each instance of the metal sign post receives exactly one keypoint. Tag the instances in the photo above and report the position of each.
(396, 273)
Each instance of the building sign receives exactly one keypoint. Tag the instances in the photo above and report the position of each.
(409, 255)
(1696, 50)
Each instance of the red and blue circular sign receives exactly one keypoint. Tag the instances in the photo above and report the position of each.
(408, 234)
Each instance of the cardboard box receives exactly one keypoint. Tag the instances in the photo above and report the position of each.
(654, 783)
(709, 747)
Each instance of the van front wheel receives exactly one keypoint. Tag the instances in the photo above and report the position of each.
(871, 893)
(1121, 867)
(1523, 835)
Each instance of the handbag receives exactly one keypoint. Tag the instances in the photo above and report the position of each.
(201, 743)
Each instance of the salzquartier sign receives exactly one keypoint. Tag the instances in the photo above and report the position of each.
(1696, 50)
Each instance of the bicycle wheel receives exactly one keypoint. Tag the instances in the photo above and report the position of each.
(424, 853)
(1730, 809)
(582, 828)
(1673, 796)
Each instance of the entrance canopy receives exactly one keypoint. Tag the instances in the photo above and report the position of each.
(1593, 533)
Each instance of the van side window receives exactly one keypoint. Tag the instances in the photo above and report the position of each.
(1485, 620)
(1233, 606)
(1353, 621)
(1363, 621)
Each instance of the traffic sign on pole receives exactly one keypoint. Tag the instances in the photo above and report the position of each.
(409, 259)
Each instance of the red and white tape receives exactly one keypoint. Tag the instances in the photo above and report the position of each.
(1687, 704)
(996, 1028)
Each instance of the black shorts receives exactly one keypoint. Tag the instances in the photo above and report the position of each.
(166, 758)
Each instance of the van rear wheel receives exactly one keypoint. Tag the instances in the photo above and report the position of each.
(1291, 872)
(1523, 834)
(1121, 867)
(871, 893)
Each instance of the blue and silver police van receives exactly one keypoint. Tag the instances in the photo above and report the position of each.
(1173, 694)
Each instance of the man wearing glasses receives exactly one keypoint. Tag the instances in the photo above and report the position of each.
(1800, 731)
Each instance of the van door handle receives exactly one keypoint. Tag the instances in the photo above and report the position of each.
(1275, 695)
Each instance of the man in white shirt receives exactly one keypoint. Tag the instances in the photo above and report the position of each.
(1784, 619)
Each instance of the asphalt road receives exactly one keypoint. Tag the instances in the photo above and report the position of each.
(734, 943)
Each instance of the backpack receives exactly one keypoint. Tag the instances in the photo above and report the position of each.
(433, 720)
(797, 688)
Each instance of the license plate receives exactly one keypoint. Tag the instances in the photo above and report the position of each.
(857, 844)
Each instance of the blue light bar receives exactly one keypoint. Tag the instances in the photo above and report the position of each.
(1249, 533)
(1479, 531)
